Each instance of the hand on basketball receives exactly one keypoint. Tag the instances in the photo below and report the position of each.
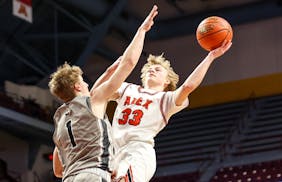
(149, 21)
(220, 50)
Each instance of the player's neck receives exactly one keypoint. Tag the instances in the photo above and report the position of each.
(155, 87)
(82, 94)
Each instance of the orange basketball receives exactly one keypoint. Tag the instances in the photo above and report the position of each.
(212, 31)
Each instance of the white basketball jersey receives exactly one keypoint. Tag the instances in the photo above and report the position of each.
(142, 113)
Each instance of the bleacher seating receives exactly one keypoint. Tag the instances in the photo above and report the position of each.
(264, 131)
(270, 171)
(187, 177)
(28, 107)
(8, 102)
(195, 136)
(258, 172)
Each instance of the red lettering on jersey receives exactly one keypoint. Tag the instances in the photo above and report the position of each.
(138, 101)
(127, 101)
(148, 102)
(134, 99)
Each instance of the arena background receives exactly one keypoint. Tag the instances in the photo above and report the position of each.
(92, 34)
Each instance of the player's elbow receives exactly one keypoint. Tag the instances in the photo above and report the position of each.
(189, 87)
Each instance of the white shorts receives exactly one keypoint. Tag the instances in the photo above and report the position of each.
(140, 157)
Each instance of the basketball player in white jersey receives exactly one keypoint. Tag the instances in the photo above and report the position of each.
(143, 111)
(82, 133)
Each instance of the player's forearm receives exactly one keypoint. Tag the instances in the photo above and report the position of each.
(134, 50)
(197, 76)
(127, 63)
(106, 75)
(130, 57)
(57, 165)
(193, 81)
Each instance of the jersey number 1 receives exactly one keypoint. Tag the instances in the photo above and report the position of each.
(137, 116)
(70, 133)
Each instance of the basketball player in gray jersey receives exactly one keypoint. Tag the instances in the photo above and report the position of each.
(82, 135)
(89, 138)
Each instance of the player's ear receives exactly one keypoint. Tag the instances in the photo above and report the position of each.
(77, 86)
(167, 82)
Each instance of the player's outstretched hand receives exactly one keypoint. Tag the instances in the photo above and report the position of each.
(221, 50)
(149, 21)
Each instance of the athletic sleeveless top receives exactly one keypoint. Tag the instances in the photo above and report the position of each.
(83, 140)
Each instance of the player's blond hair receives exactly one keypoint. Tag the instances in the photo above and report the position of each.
(172, 76)
(63, 80)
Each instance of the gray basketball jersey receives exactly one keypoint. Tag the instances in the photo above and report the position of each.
(83, 140)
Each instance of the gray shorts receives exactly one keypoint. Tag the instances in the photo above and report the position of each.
(90, 175)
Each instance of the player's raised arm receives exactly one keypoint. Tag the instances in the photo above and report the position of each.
(107, 74)
(197, 76)
(128, 61)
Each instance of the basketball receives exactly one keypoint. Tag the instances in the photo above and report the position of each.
(212, 31)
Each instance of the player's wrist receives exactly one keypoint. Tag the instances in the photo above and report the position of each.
(142, 30)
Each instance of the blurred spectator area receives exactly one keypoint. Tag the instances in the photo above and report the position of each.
(29, 100)
(26, 106)
(270, 171)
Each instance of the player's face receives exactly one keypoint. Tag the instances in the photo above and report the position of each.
(157, 74)
(83, 86)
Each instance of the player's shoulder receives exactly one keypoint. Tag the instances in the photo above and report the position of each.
(74, 104)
